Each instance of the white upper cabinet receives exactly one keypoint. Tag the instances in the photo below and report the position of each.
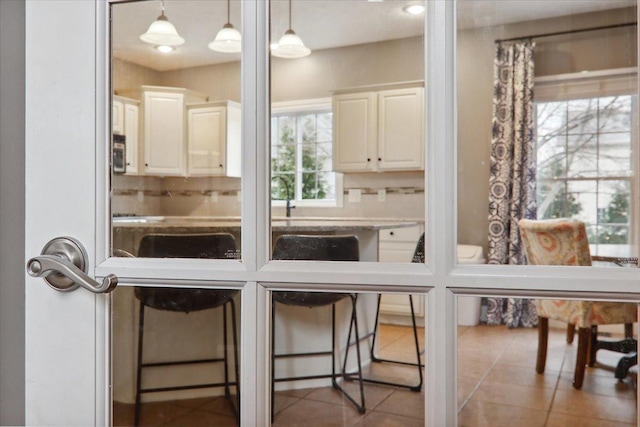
(354, 132)
(401, 129)
(164, 129)
(126, 121)
(117, 117)
(379, 130)
(132, 135)
(213, 139)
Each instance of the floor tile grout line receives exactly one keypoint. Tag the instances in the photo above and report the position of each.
(555, 389)
(483, 377)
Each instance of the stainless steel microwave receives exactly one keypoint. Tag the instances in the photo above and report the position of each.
(119, 163)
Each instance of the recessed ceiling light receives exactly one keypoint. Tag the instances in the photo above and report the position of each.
(414, 9)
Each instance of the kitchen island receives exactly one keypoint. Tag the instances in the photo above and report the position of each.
(190, 334)
(128, 231)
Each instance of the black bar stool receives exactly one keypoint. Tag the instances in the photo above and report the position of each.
(418, 257)
(323, 248)
(214, 245)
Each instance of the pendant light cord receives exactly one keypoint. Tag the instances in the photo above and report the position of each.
(289, 14)
(228, 11)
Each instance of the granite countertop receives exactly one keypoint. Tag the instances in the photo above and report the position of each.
(278, 223)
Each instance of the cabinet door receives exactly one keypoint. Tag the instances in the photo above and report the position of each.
(164, 133)
(117, 117)
(206, 140)
(400, 129)
(354, 132)
(132, 132)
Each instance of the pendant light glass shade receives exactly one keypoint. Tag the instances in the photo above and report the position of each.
(290, 45)
(228, 39)
(161, 32)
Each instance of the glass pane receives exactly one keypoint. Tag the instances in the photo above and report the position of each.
(546, 116)
(615, 154)
(582, 116)
(616, 114)
(177, 134)
(198, 327)
(582, 155)
(176, 121)
(391, 359)
(356, 94)
(502, 381)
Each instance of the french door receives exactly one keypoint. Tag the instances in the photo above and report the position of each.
(68, 342)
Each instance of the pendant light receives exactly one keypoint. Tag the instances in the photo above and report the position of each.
(290, 45)
(162, 34)
(228, 39)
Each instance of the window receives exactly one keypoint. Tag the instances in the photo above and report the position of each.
(585, 164)
(302, 154)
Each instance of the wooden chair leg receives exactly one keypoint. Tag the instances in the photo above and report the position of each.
(593, 345)
(628, 330)
(543, 334)
(584, 334)
(571, 331)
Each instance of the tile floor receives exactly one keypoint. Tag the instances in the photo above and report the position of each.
(498, 386)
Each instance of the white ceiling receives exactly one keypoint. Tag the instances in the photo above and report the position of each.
(321, 24)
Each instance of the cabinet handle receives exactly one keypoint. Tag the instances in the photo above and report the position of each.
(391, 233)
(379, 159)
(368, 160)
(146, 164)
(220, 165)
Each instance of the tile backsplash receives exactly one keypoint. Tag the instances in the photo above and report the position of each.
(168, 196)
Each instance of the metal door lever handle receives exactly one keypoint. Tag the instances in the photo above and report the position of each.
(45, 265)
(63, 266)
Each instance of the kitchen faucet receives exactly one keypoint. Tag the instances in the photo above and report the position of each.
(289, 196)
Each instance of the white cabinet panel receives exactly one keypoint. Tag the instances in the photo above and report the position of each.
(354, 131)
(164, 133)
(213, 139)
(398, 246)
(379, 130)
(132, 134)
(117, 117)
(206, 135)
(400, 129)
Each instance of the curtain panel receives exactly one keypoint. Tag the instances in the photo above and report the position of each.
(512, 183)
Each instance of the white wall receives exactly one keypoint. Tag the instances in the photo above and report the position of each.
(12, 256)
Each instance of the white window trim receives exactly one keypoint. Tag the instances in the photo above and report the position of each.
(313, 105)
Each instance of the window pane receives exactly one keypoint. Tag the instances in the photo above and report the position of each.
(582, 155)
(582, 116)
(615, 114)
(582, 201)
(324, 127)
(505, 377)
(615, 154)
(197, 326)
(309, 159)
(309, 129)
(357, 96)
(326, 185)
(391, 351)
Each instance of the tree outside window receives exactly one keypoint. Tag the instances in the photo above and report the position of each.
(301, 157)
(584, 164)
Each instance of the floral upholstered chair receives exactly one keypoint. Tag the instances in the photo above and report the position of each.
(564, 242)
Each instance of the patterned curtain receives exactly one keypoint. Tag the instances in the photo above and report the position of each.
(512, 184)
